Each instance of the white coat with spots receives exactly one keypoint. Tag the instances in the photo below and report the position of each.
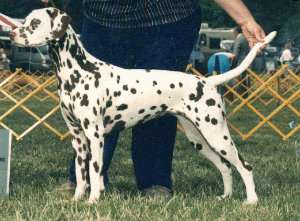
(97, 97)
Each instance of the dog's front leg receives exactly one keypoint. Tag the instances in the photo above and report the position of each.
(96, 143)
(80, 145)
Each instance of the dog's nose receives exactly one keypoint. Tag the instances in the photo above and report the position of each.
(12, 35)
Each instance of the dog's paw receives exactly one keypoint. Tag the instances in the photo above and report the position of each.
(223, 197)
(77, 197)
(92, 200)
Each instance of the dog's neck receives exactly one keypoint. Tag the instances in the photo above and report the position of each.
(70, 56)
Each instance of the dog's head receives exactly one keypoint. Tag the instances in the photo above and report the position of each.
(41, 26)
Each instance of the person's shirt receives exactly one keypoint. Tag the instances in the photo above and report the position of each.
(137, 13)
(286, 56)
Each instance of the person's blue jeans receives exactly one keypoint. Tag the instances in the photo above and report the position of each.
(161, 47)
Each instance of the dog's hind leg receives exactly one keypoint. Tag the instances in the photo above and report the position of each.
(200, 145)
(216, 133)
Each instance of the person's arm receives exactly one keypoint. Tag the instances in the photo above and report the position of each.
(243, 17)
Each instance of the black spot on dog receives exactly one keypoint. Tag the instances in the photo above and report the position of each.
(223, 160)
(207, 118)
(106, 121)
(172, 86)
(211, 102)
(148, 70)
(214, 121)
(96, 135)
(97, 77)
(133, 90)
(69, 63)
(196, 97)
(108, 104)
(247, 166)
(154, 83)
(96, 167)
(86, 123)
(79, 160)
(158, 91)
(189, 107)
(225, 138)
(125, 87)
(95, 111)
(164, 107)
(117, 93)
(86, 87)
(141, 111)
(223, 114)
(223, 152)
(180, 84)
(199, 146)
(153, 107)
(82, 173)
(75, 78)
(196, 110)
(84, 101)
(122, 107)
(117, 117)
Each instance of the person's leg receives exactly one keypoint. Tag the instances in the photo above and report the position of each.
(109, 45)
(163, 47)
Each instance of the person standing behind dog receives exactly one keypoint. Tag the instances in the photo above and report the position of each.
(151, 34)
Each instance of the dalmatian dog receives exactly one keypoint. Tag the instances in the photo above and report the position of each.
(97, 98)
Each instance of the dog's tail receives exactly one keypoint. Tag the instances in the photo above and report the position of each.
(227, 76)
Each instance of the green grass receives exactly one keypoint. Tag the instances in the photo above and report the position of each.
(40, 160)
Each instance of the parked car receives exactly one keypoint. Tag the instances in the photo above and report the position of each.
(32, 59)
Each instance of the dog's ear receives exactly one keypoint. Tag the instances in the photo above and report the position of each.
(59, 22)
(61, 29)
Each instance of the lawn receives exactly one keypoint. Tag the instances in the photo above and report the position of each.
(40, 160)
